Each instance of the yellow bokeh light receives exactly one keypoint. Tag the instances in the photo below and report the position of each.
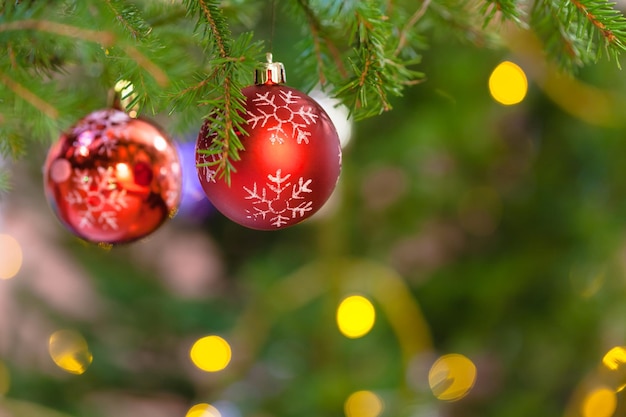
(363, 404)
(69, 351)
(211, 353)
(5, 379)
(203, 410)
(355, 316)
(451, 377)
(614, 358)
(508, 84)
(600, 402)
(10, 256)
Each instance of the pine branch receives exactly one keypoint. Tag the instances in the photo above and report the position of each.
(378, 72)
(27, 95)
(576, 32)
(323, 44)
(506, 9)
(221, 84)
(5, 181)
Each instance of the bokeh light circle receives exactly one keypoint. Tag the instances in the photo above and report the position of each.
(5, 379)
(10, 256)
(211, 353)
(508, 84)
(601, 402)
(355, 316)
(452, 377)
(69, 351)
(363, 404)
(203, 410)
(615, 358)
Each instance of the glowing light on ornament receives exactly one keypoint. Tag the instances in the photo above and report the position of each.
(452, 377)
(211, 353)
(601, 402)
(5, 379)
(338, 113)
(291, 162)
(203, 410)
(508, 84)
(69, 351)
(355, 316)
(615, 358)
(363, 404)
(10, 256)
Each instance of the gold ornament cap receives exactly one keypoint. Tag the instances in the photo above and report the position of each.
(270, 73)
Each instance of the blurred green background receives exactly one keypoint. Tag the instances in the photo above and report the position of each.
(476, 229)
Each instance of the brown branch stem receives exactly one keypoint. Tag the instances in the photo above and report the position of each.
(316, 28)
(104, 38)
(30, 97)
(124, 22)
(607, 33)
(154, 70)
(419, 13)
(221, 44)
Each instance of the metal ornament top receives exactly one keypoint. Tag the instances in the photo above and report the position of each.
(270, 73)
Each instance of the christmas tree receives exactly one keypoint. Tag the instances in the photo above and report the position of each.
(470, 261)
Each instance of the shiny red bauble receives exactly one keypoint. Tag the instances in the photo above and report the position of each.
(112, 178)
(290, 164)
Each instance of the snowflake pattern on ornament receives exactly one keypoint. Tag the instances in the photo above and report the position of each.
(208, 172)
(269, 201)
(96, 198)
(272, 106)
(105, 126)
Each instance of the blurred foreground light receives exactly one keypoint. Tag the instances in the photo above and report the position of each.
(69, 351)
(451, 377)
(363, 404)
(210, 353)
(600, 402)
(508, 84)
(614, 358)
(10, 256)
(355, 316)
(339, 114)
(203, 410)
(5, 379)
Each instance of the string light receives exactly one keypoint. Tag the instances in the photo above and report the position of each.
(508, 84)
(211, 353)
(452, 377)
(355, 316)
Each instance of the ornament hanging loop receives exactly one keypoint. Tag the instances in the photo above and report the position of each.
(270, 73)
(114, 99)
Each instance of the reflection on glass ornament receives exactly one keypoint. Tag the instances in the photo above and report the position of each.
(291, 162)
(112, 178)
(193, 205)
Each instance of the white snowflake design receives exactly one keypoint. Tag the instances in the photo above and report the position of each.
(277, 107)
(96, 198)
(104, 127)
(270, 203)
(208, 172)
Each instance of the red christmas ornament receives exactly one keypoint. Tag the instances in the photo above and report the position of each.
(112, 178)
(291, 162)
